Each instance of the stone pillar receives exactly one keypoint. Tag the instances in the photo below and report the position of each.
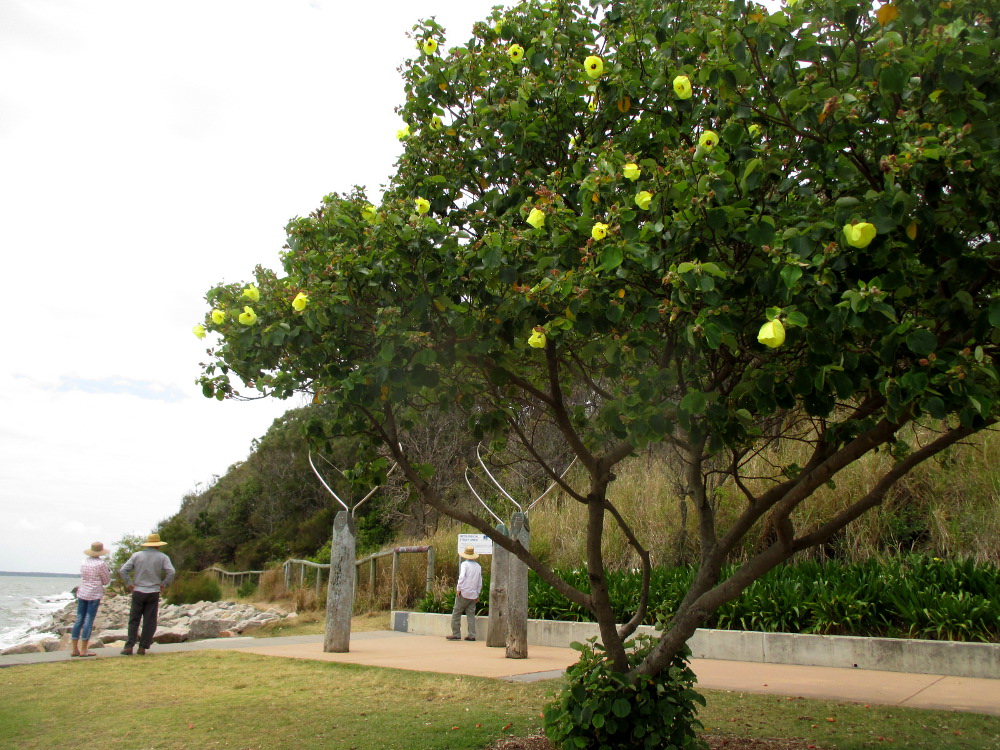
(517, 592)
(340, 590)
(499, 571)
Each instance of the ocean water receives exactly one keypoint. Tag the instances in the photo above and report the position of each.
(27, 600)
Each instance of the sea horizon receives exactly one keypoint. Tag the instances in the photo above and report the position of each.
(38, 574)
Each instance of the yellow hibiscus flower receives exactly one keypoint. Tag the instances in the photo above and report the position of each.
(594, 66)
(682, 87)
(248, 317)
(536, 218)
(859, 235)
(772, 334)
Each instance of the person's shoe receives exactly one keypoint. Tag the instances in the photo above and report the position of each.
(453, 638)
(142, 651)
(469, 638)
(126, 651)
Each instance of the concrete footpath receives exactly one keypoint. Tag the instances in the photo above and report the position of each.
(424, 653)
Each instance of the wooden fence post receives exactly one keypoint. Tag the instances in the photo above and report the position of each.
(496, 636)
(340, 590)
(392, 591)
(517, 592)
(430, 570)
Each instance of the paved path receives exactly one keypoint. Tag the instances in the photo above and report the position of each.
(433, 654)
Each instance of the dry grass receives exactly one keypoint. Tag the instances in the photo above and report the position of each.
(947, 507)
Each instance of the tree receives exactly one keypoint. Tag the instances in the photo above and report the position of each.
(701, 224)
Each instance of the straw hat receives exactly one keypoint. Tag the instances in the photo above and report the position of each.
(97, 550)
(153, 540)
(469, 554)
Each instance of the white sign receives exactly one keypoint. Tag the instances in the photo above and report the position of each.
(481, 543)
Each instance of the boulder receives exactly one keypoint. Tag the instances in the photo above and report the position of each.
(109, 636)
(171, 635)
(35, 647)
(205, 627)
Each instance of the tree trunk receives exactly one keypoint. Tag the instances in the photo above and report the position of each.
(340, 591)
(499, 573)
(517, 592)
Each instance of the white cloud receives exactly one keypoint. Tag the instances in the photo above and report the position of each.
(152, 150)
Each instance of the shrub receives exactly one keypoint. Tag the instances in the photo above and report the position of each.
(189, 588)
(246, 589)
(601, 709)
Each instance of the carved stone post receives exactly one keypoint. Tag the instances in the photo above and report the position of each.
(340, 591)
(499, 572)
(517, 592)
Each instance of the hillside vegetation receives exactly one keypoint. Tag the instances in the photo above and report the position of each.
(271, 507)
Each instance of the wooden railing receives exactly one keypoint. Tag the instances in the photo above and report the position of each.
(237, 577)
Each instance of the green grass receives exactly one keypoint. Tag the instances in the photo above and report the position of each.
(203, 700)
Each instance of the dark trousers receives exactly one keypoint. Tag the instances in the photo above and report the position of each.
(144, 607)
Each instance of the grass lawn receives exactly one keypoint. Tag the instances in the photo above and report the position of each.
(202, 700)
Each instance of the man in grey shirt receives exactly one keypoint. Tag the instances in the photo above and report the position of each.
(147, 573)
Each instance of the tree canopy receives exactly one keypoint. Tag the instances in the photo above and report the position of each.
(704, 224)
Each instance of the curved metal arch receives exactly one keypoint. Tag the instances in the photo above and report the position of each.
(335, 495)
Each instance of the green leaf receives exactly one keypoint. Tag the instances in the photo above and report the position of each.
(995, 313)
(893, 79)
(790, 275)
(921, 342)
(694, 402)
(621, 708)
(611, 258)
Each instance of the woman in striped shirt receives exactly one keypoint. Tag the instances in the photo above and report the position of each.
(94, 576)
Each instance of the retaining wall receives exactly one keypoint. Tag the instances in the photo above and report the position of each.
(886, 654)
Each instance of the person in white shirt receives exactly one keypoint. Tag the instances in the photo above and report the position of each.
(467, 590)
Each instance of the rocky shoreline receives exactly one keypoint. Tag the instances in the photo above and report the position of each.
(177, 623)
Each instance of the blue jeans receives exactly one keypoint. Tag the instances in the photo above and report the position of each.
(86, 613)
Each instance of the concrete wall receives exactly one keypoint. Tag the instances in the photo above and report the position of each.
(886, 654)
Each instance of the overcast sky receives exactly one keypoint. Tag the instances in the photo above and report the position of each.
(150, 150)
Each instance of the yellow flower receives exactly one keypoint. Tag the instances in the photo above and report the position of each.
(537, 338)
(199, 331)
(300, 301)
(430, 46)
(754, 130)
(536, 218)
(592, 105)
(218, 316)
(682, 87)
(515, 52)
(708, 140)
(403, 133)
(594, 66)
(369, 213)
(772, 334)
(248, 317)
(859, 235)
(642, 199)
(252, 293)
(422, 205)
(599, 231)
(435, 123)
(631, 171)
(887, 14)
